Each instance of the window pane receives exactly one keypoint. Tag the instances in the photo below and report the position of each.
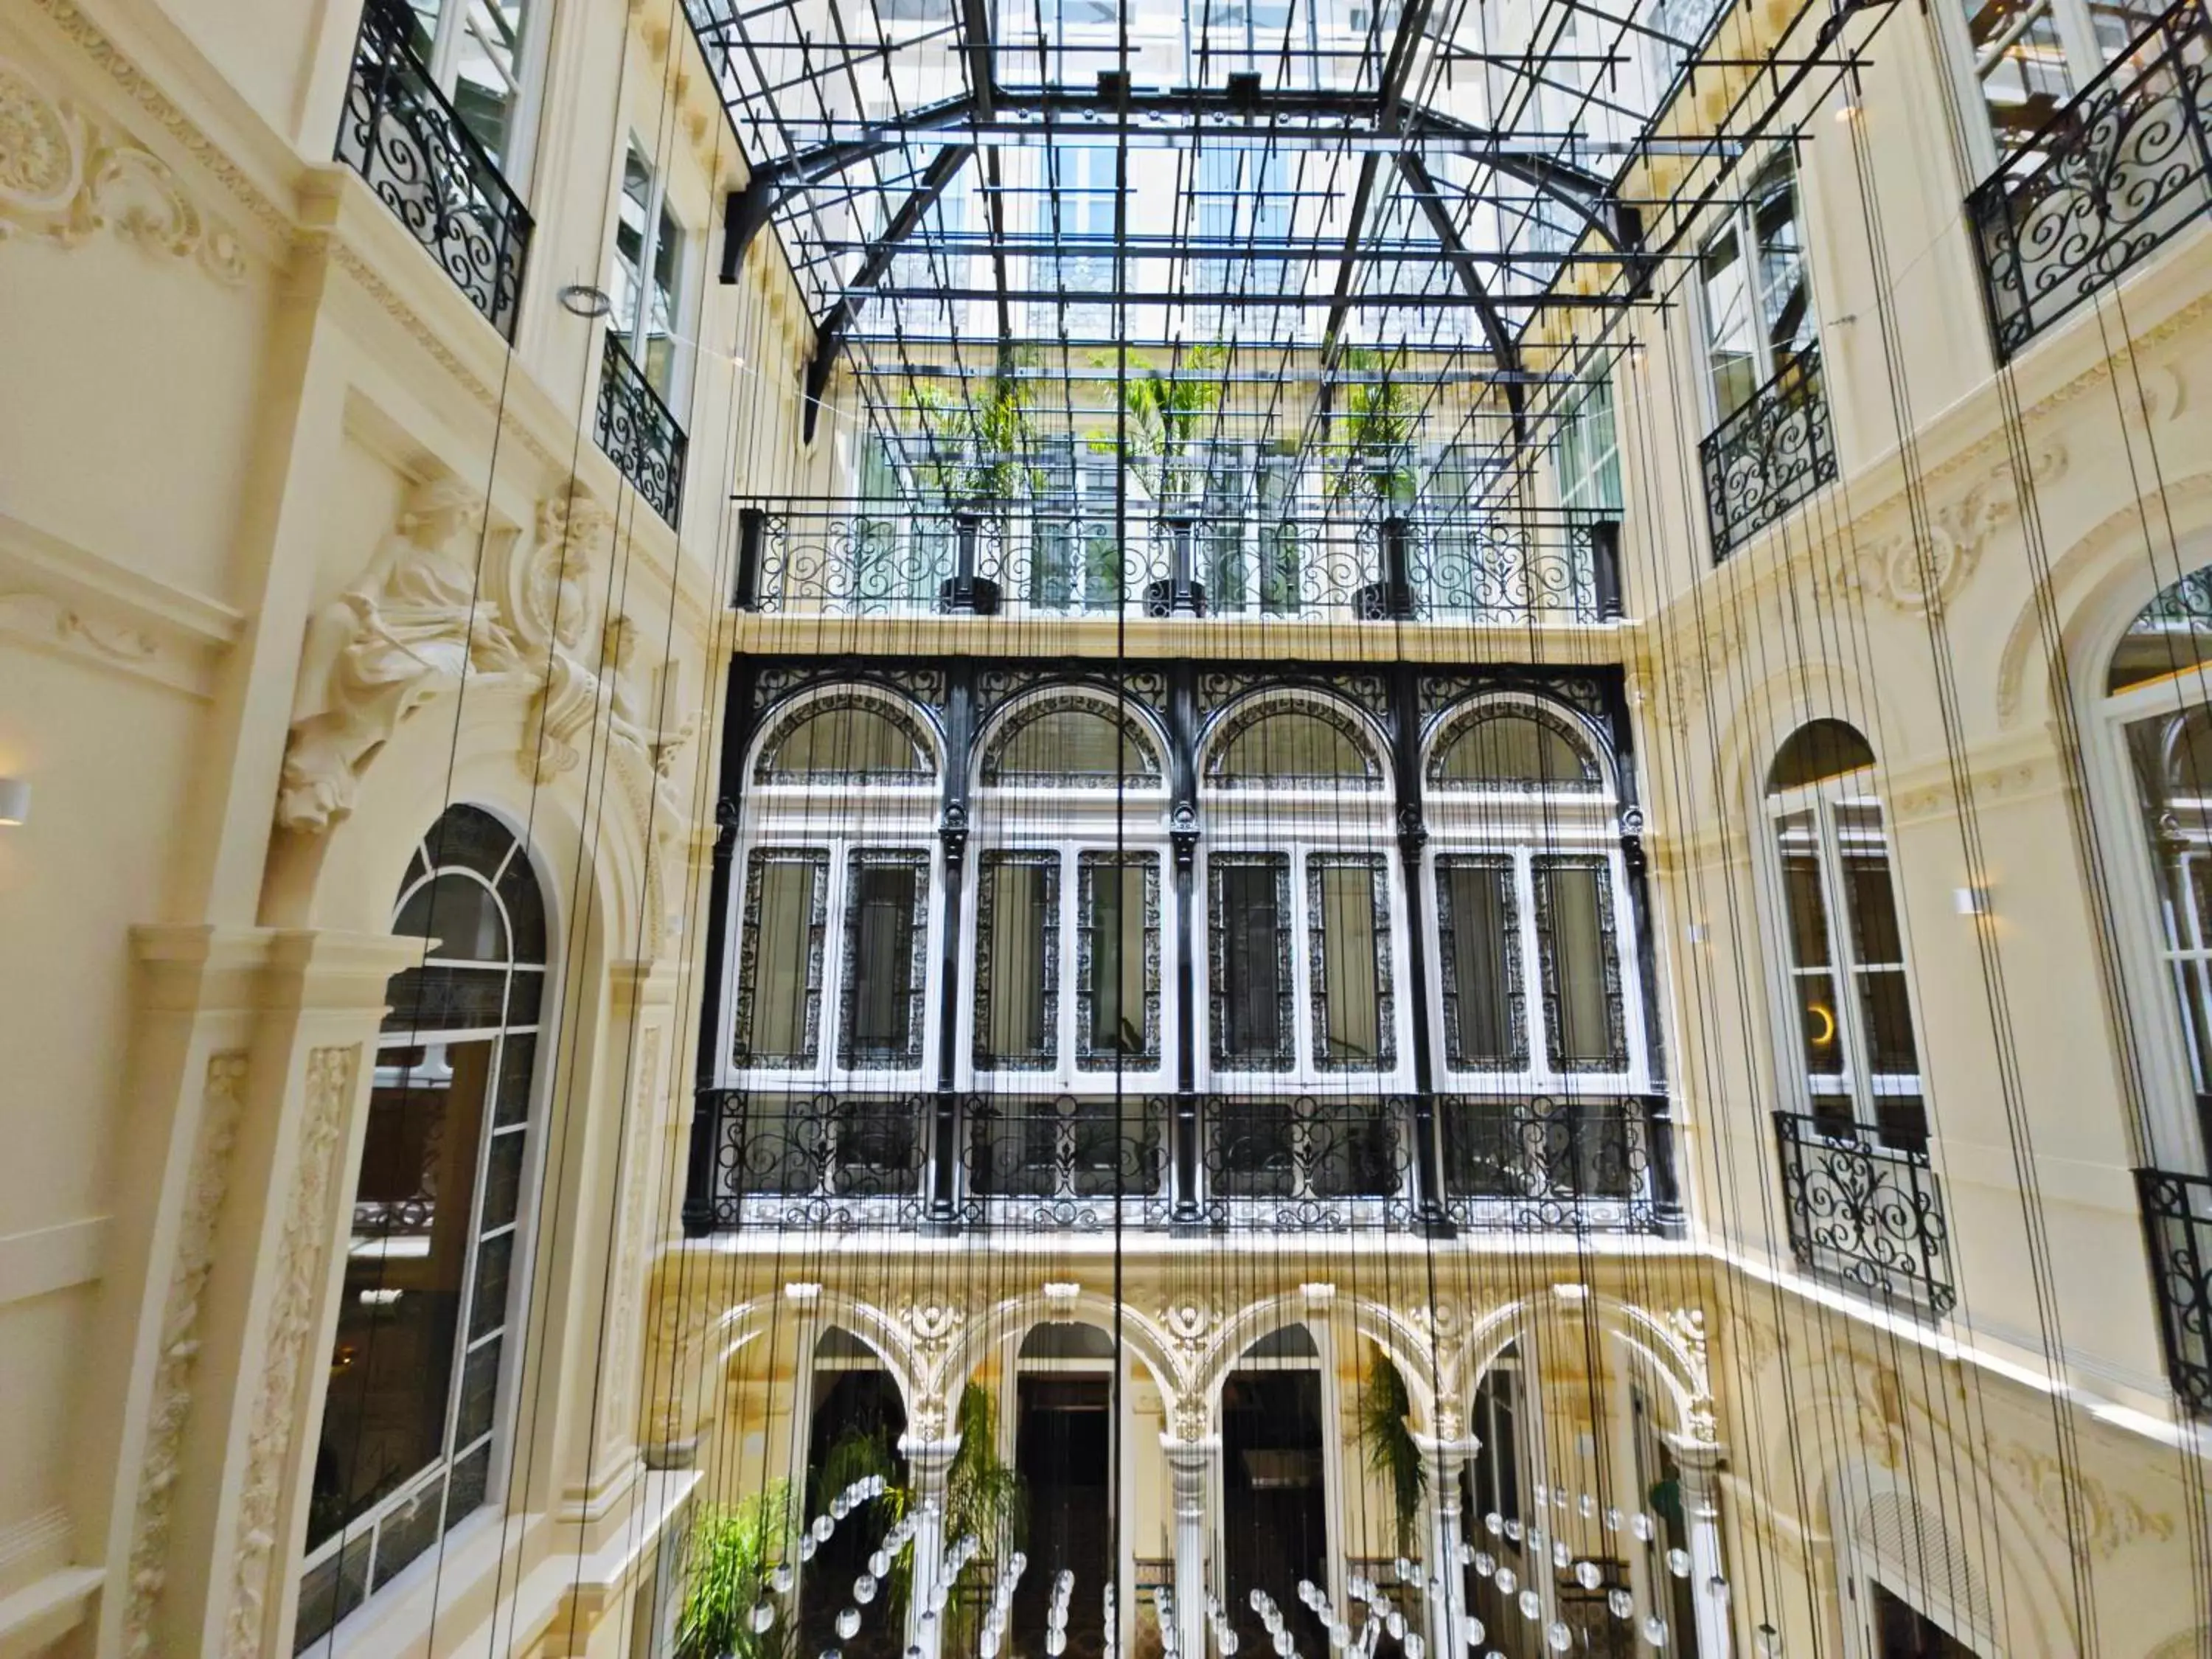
(847, 742)
(779, 973)
(2021, 65)
(1813, 984)
(1251, 961)
(393, 1357)
(1513, 751)
(1582, 976)
(1484, 1017)
(487, 69)
(1731, 349)
(1017, 960)
(1876, 943)
(1785, 311)
(1120, 1014)
(1288, 748)
(660, 304)
(460, 912)
(631, 209)
(1071, 747)
(885, 909)
(2171, 635)
(1351, 1010)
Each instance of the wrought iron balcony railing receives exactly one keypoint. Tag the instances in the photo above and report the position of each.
(2126, 165)
(639, 434)
(890, 557)
(1304, 1163)
(2178, 1227)
(404, 138)
(1543, 1163)
(1768, 456)
(1869, 1214)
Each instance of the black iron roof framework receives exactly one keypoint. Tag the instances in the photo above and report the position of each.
(1394, 192)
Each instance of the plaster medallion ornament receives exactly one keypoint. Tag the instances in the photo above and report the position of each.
(65, 177)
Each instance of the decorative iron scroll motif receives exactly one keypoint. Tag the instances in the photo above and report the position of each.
(1063, 1162)
(1868, 1214)
(1284, 1054)
(2117, 171)
(826, 1162)
(1769, 455)
(1547, 1163)
(853, 1055)
(1315, 1163)
(2178, 1227)
(1144, 1056)
(989, 949)
(402, 136)
(884, 557)
(1386, 1004)
(639, 435)
(758, 862)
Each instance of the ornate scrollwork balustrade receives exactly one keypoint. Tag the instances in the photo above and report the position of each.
(1769, 455)
(2123, 166)
(821, 1162)
(1869, 1214)
(1546, 1163)
(1314, 1164)
(2177, 1228)
(406, 138)
(1065, 1163)
(639, 434)
(888, 558)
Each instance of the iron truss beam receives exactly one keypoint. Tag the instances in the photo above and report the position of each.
(1504, 351)
(829, 334)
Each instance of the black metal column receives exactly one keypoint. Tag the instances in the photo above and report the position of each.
(1429, 1212)
(699, 1194)
(752, 526)
(942, 1199)
(1185, 1130)
(1658, 1105)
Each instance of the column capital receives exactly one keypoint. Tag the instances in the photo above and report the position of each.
(1701, 1458)
(928, 1460)
(1188, 1454)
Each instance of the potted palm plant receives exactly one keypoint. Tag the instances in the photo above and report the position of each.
(977, 459)
(1375, 472)
(726, 1560)
(1167, 413)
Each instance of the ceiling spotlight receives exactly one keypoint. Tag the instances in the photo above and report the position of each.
(1847, 113)
(586, 300)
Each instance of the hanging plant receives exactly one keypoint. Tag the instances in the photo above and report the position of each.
(726, 1565)
(1384, 1406)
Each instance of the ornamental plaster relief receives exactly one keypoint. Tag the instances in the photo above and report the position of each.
(419, 622)
(170, 1407)
(632, 1213)
(2108, 1520)
(65, 177)
(1898, 571)
(294, 1315)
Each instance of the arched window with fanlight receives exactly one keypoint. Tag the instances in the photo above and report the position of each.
(835, 894)
(1536, 985)
(413, 1440)
(1300, 867)
(1070, 894)
(2158, 697)
(1845, 990)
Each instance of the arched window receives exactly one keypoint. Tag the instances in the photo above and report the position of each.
(1536, 964)
(2159, 690)
(413, 1439)
(1298, 885)
(1069, 904)
(1292, 746)
(1842, 944)
(1071, 743)
(847, 739)
(1514, 749)
(834, 896)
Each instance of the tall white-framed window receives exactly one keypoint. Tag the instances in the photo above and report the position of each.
(1537, 990)
(1844, 995)
(2019, 62)
(1300, 875)
(1587, 460)
(1072, 899)
(485, 56)
(650, 275)
(834, 903)
(2157, 715)
(415, 1419)
(1755, 303)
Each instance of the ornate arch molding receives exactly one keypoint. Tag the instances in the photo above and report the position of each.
(901, 1340)
(1761, 721)
(1043, 1306)
(2101, 581)
(1670, 1348)
(1570, 723)
(1010, 718)
(1236, 718)
(917, 722)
